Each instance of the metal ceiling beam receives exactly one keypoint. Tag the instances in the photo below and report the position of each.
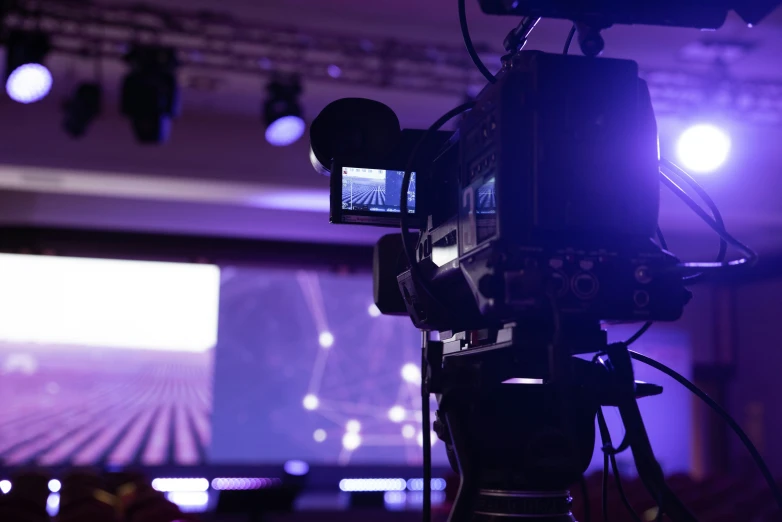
(213, 42)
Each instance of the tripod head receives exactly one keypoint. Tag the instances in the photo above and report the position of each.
(517, 415)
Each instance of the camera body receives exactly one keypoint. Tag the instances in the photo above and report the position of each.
(543, 201)
(547, 196)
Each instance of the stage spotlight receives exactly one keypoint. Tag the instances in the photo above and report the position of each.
(351, 440)
(282, 112)
(703, 148)
(411, 373)
(27, 79)
(150, 93)
(310, 402)
(296, 468)
(326, 339)
(82, 108)
(397, 414)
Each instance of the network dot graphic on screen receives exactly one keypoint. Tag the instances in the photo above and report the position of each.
(358, 413)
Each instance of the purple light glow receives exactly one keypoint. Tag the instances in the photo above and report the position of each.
(297, 468)
(703, 148)
(334, 71)
(189, 501)
(29, 83)
(285, 131)
(292, 199)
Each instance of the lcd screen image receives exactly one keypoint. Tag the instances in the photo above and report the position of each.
(373, 190)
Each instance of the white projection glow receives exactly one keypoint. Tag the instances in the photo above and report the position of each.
(108, 303)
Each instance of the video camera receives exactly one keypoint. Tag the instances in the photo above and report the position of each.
(536, 220)
(548, 191)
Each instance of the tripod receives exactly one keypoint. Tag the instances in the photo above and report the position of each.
(517, 415)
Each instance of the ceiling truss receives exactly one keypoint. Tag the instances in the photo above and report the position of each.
(211, 43)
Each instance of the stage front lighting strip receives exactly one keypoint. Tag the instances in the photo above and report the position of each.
(417, 484)
(180, 484)
(372, 484)
(243, 483)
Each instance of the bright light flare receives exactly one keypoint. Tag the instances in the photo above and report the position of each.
(372, 484)
(102, 302)
(353, 426)
(311, 402)
(180, 484)
(189, 501)
(326, 339)
(319, 435)
(5, 486)
(703, 148)
(53, 504)
(397, 414)
(374, 311)
(54, 486)
(285, 131)
(297, 468)
(411, 373)
(351, 441)
(29, 83)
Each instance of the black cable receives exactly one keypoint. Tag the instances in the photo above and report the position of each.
(649, 470)
(587, 501)
(407, 238)
(622, 495)
(717, 217)
(750, 257)
(569, 40)
(637, 335)
(722, 413)
(699, 190)
(470, 47)
(605, 487)
(715, 212)
(610, 456)
(425, 421)
(610, 453)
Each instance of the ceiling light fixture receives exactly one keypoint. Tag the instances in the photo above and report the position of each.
(282, 112)
(150, 92)
(27, 79)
